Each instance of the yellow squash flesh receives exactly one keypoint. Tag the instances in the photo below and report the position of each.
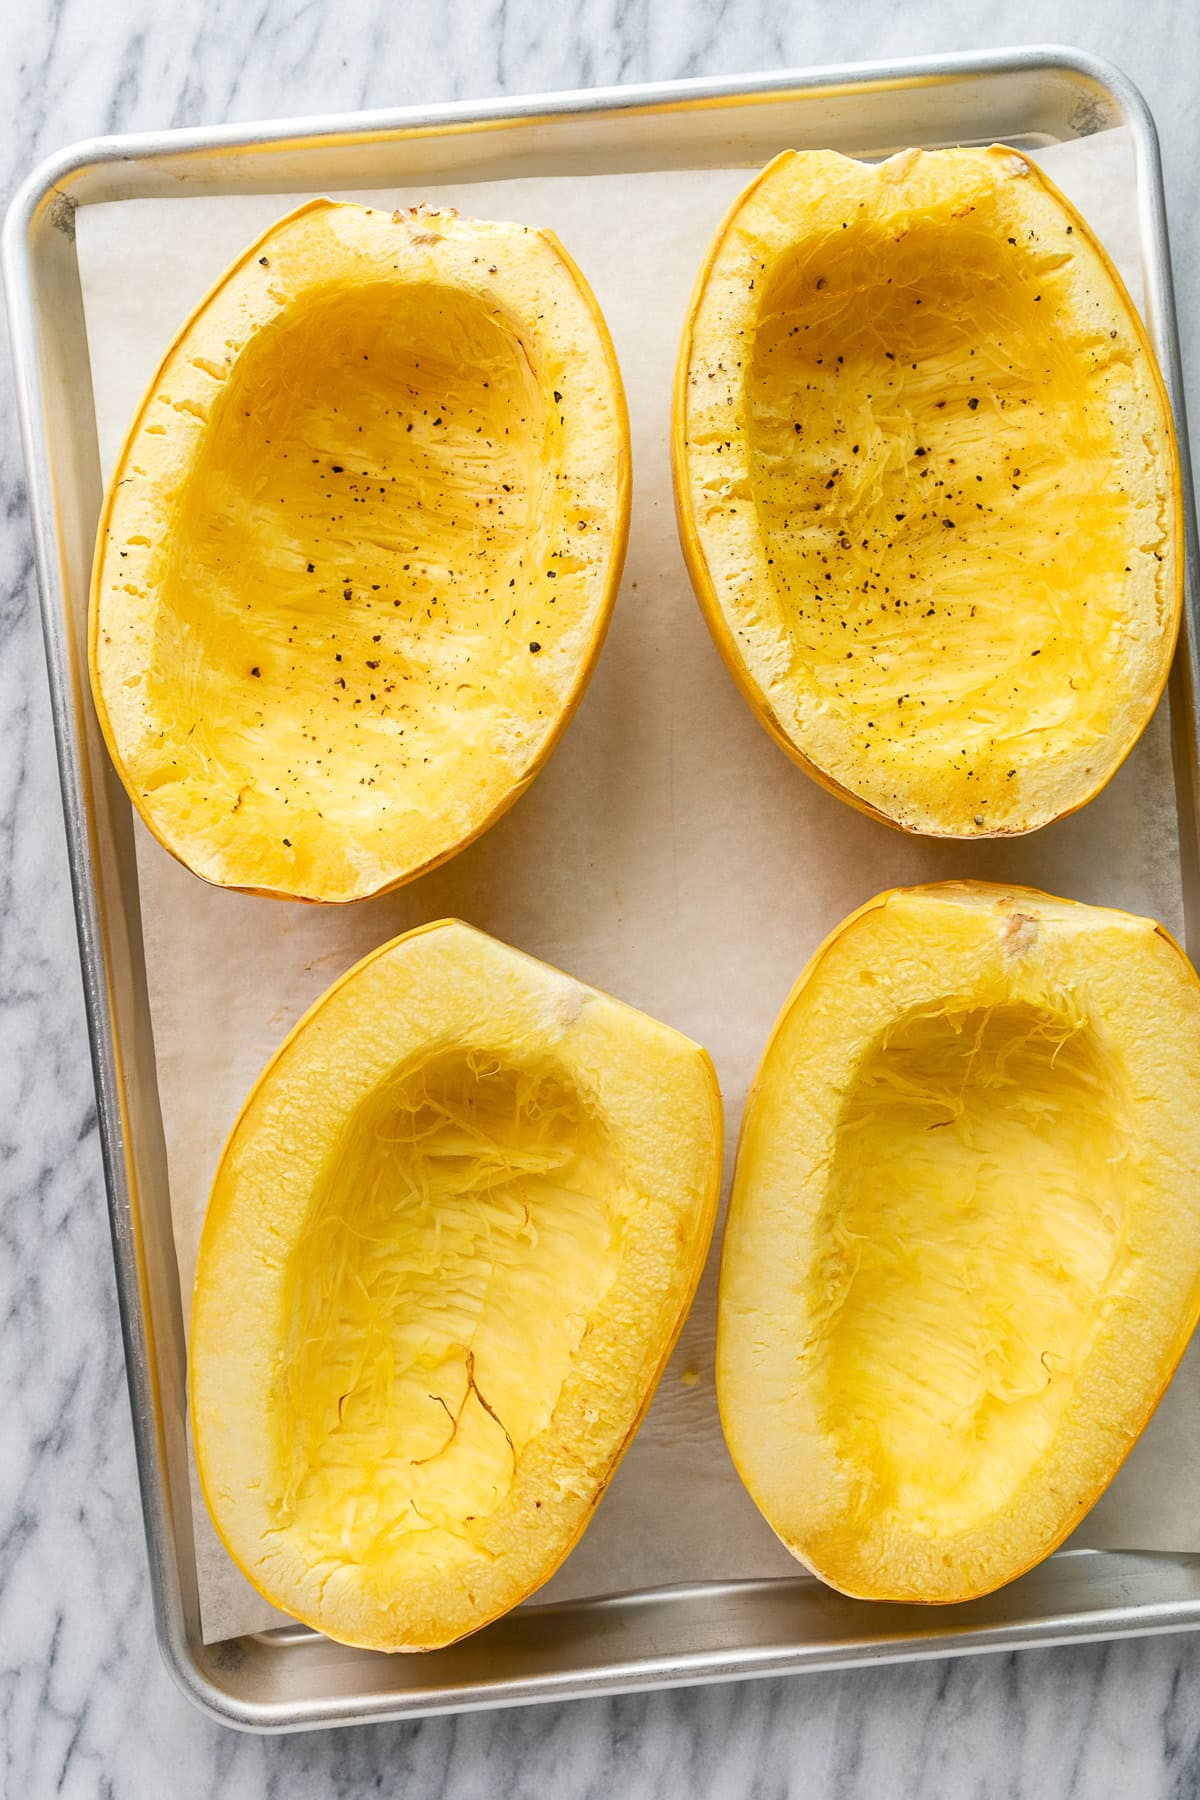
(962, 1257)
(359, 553)
(927, 486)
(448, 1250)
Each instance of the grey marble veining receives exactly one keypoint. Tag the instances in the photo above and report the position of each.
(86, 1710)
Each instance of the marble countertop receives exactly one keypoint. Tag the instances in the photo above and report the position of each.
(86, 1708)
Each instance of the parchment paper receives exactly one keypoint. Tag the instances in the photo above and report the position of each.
(668, 853)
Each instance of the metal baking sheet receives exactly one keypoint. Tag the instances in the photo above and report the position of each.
(292, 1678)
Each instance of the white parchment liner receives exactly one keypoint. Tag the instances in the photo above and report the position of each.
(669, 853)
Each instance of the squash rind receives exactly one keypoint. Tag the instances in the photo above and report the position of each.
(973, 784)
(377, 792)
(657, 1097)
(902, 1519)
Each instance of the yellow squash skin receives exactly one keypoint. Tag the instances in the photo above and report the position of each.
(927, 486)
(449, 1247)
(359, 553)
(962, 1255)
